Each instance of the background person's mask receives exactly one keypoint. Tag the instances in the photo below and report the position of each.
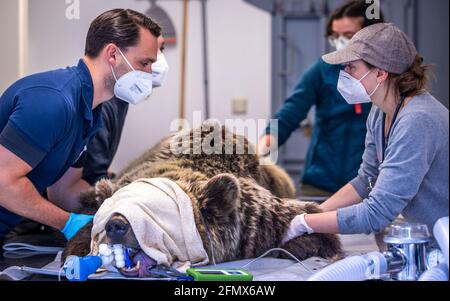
(352, 90)
(339, 43)
(133, 87)
(160, 69)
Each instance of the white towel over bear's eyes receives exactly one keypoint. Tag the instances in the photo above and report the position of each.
(161, 216)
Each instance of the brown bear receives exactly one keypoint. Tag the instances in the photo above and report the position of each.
(242, 207)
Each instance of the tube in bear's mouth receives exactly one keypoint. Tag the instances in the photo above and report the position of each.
(141, 264)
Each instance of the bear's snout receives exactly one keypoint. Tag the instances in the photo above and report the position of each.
(116, 229)
(119, 231)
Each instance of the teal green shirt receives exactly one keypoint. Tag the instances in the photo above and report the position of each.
(337, 142)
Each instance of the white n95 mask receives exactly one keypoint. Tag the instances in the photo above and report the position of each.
(339, 43)
(133, 87)
(352, 90)
(160, 69)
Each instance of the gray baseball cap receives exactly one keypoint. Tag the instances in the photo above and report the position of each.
(382, 45)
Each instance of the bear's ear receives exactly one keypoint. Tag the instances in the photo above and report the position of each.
(92, 199)
(220, 195)
(104, 189)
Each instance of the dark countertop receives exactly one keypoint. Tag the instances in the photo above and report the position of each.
(35, 234)
(36, 261)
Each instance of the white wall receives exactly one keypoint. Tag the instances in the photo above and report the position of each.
(239, 59)
(9, 49)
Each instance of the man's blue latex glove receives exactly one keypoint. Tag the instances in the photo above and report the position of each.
(75, 223)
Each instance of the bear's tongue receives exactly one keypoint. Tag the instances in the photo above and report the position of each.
(142, 265)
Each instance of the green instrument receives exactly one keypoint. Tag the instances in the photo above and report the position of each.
(207, 274)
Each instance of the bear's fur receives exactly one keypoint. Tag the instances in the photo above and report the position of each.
(247, 207)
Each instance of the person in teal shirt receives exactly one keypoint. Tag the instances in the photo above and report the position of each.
(337, 142)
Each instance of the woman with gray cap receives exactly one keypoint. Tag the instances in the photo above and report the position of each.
(405, 167)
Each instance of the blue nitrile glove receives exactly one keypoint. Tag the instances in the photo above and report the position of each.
(75, 223)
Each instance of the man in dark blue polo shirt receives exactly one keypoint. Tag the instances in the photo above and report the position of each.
(96, 160)
(47, 119)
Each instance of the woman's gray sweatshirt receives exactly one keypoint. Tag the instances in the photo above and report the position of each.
(412, 180)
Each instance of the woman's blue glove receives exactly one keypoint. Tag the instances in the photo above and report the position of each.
(75, 223)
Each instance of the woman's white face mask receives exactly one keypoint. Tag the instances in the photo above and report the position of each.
(133, 87)
(352, 90)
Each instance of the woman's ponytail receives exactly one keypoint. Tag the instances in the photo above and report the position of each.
(413, 81)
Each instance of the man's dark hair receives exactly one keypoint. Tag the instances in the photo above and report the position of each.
(118, 26)
(353, 9)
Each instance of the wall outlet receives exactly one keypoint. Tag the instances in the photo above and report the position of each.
(239, 106)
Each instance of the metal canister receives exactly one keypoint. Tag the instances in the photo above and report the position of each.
(407, 245)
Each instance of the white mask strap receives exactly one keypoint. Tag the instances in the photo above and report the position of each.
(365, 75)
(125, 59)
(371, 94)
(114, 74)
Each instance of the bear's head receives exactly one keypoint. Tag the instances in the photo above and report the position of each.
(216, 199)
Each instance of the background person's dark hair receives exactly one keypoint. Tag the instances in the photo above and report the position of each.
(353, 9)
(118, 26)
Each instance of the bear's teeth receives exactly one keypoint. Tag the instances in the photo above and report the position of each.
(131, 272)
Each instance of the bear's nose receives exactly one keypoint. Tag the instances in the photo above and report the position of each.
(116, 230)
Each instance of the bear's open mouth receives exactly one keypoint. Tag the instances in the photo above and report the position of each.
(139, 264)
